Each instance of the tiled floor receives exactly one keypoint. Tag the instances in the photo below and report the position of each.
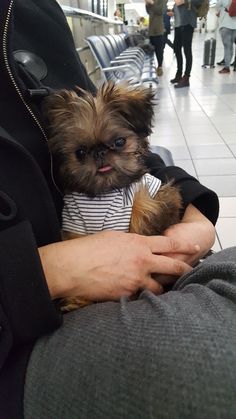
(198, 125)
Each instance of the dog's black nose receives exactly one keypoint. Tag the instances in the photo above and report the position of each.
(100, 154)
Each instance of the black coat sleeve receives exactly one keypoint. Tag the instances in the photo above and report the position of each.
(26, 310)
(192, 191)
(27, 221)
(24, 295)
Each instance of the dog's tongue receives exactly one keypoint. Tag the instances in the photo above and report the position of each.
(105, 169)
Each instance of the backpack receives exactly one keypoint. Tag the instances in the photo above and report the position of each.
(232, 9)
(202, 9)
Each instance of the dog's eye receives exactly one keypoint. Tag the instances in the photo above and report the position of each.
(81, 152)
(119, 142)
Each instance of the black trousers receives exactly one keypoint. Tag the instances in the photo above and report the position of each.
(157, 42)
(183, 39)
(167, 41)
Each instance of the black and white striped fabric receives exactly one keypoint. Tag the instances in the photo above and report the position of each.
(111, 211)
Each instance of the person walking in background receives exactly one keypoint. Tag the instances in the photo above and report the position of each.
(185, 21)
(155, 10)
(117, 14)
(143, 26)
(166, 19)
(227, 29)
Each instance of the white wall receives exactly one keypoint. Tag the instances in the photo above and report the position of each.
(139, 7)
(133, 11)
(111, 8)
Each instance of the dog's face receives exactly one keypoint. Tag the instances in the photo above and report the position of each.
(99, 143)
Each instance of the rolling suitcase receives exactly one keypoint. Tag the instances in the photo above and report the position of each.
(209, 53)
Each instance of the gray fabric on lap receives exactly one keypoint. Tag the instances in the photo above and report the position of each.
(172, 356)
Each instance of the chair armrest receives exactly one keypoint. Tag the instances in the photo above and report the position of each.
(164, 153)
(126, 60)
(131, 56)
(122, 67)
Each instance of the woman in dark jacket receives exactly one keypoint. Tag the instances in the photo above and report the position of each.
(114, 359)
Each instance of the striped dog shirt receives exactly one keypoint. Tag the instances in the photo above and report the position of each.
(112, 211)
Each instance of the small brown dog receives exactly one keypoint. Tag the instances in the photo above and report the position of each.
(99, 147)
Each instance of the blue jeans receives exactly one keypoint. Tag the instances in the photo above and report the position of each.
(228, 37)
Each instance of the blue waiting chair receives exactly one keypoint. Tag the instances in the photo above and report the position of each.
(119, 68)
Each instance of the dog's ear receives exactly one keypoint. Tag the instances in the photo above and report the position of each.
(58, 107)
(63, 105)
(135, 104)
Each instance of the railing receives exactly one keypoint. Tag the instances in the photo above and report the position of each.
(75, 12)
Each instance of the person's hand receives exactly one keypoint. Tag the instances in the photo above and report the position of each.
(194, 226)
(170, 13)
(109, 265)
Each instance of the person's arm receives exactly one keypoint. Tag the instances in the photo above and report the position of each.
(149, 5)
(25, 301)
(199, 211)
(194, 225)
(192, 191)
(103, 266)
(156, 8)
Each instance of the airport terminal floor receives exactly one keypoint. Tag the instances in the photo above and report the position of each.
(198, 125)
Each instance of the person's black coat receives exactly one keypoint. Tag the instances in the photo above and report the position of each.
(30, 204)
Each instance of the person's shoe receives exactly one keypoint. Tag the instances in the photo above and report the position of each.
(224, 70)
(176, 79)
(184, 82)
(222, 62)
(232, 64)
(159, 71)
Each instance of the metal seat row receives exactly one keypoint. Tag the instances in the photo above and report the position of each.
(118, 62)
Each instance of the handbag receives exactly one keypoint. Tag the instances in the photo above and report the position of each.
(232, 9)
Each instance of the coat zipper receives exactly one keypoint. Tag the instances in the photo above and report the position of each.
(10, 73)
(4, 44)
